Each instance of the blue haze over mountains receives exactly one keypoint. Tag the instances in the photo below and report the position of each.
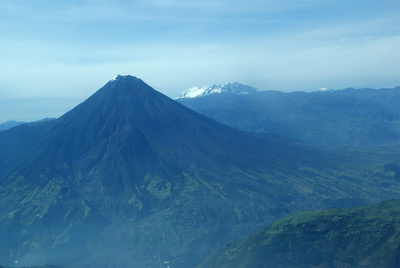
(132, 178)
(348, 117)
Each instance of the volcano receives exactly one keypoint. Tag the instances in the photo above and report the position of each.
(132, 178)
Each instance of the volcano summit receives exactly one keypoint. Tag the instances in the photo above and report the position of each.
(132, 178)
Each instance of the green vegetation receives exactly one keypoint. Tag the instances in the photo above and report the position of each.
(367, 236)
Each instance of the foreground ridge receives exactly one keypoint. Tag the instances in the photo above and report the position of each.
(367, 236)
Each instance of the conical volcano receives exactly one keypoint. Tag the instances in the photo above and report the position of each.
(132, 178)
(129, 119)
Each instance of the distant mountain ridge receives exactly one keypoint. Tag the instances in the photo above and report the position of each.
(10, 124)
(131, 178)
(13, 123)
(230, 88)
(349, 117)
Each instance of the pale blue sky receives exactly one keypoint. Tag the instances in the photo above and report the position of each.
(54, 54)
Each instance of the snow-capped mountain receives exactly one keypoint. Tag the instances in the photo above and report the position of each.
(233, 88)
(325, 89)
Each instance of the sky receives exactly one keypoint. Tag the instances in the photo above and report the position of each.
(55, 54)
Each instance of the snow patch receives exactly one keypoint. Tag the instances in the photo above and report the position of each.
(325, 89)
(232, 88)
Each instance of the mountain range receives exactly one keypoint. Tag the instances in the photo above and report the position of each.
(367, 236)
(13, 123)
(10, 124)
(132, 178)
(350, 117)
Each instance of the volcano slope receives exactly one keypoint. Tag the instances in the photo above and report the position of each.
(132, 178)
